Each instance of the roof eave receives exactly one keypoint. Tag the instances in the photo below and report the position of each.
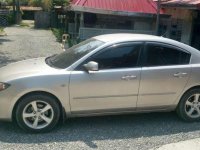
(111, 12)
(183, 6)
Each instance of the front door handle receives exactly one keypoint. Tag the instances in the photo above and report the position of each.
(180, 74)
(128, 77)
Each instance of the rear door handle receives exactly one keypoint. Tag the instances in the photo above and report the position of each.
(180, 74)
(132, 77)
(128, 77)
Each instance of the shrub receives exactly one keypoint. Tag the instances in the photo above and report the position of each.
(11, 19)
(1, 29)
(58, 34)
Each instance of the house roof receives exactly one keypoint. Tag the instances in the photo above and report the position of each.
(4, 11)
(124, 6)
(30, 8)
(182, 3)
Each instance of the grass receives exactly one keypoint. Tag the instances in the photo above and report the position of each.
(58, 34)
(23, 24)
(1, 29)
(2, 32)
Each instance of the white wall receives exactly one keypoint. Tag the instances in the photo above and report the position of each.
(139, 25)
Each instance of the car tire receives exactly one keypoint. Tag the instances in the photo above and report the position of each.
(37, 113)
(188, 108)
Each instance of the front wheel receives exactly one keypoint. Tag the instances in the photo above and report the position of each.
(37, 113)
(189, 106)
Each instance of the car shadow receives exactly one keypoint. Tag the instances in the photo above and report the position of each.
(5, 59)
(91, 129)
(2, 40)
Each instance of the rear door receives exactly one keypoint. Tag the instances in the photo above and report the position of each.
(165, 72)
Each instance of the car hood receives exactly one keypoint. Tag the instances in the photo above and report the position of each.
(30, 67)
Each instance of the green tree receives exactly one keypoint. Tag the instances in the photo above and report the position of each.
(48, 4)
(7, 2)
(60, 2)
(35, 3)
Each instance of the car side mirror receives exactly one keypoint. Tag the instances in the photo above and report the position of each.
(91, 66)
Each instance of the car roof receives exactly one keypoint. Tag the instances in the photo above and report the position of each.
(122, 37)
(115, 38)
(125, 37)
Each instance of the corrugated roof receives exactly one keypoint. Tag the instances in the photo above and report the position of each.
(193, 3)
(137, 6)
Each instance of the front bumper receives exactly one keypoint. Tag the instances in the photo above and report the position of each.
(6, 105)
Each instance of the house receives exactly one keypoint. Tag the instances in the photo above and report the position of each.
(95, 17)
(29, 12)
(184, 22)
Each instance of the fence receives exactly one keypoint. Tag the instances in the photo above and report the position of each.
(4, 17)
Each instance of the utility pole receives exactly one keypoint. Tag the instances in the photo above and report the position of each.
(14, 11)
(18, 12)
(158, 16)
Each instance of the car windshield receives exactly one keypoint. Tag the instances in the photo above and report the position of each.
(71, 55)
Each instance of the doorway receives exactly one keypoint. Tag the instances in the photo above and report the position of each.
(196, 31)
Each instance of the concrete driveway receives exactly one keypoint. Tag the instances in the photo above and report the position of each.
(24, 42)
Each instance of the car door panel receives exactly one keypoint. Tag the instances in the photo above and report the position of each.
(114, 86)
(164, 75)
(160, 87)
(104, 90)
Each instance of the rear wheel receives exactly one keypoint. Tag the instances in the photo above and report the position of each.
(37, 113)
(189, 106)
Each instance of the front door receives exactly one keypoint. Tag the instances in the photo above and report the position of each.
(113, 87)
(164, 75)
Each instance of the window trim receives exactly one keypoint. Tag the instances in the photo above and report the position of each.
(139, 64)
(144, 53)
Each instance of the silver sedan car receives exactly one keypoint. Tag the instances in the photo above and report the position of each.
(107, 74)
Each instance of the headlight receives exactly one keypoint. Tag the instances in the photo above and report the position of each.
(3, 86)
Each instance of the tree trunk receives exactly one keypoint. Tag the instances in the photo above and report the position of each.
(158, 16)
(18, 12)
(14, 11)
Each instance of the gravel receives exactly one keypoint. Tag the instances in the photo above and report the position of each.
(137, 132)
(23, 43)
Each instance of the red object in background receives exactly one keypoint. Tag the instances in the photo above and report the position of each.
(137, 6)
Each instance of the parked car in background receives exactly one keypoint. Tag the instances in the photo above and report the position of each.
(107, 74)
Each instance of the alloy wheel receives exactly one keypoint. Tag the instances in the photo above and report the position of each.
(38, 114)
(192, 106)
